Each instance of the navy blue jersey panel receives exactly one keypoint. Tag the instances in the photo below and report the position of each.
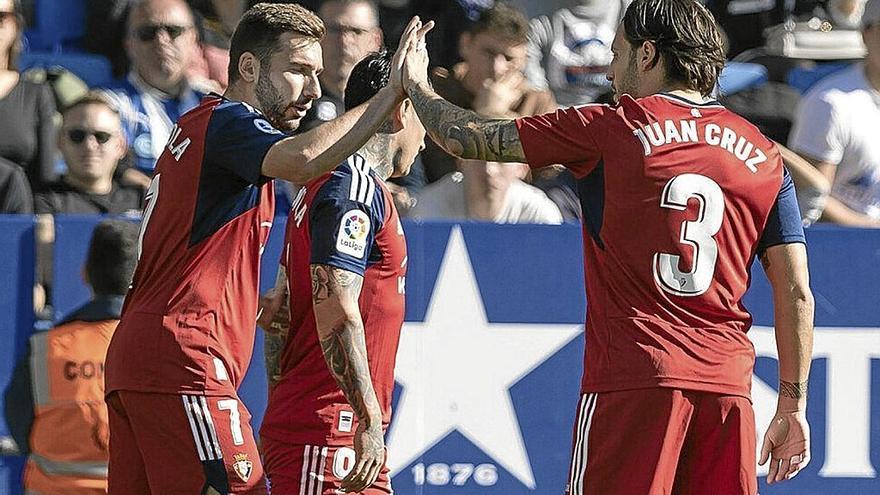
(591, 190)
(222, 197)
(346, 215)
(238, 139)
(784, 225)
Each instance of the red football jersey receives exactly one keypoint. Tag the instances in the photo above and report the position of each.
(189, 318)
(677, 199)
(345, 219)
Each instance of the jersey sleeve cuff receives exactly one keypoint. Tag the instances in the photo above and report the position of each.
(342, 264)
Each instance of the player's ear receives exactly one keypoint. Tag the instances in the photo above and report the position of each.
(249, 67)
(401, 116)
(648, 55)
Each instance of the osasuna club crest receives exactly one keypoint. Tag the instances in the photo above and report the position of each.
(243, 467)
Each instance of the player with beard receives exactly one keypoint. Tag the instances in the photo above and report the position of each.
(679, 196)
(186, 334)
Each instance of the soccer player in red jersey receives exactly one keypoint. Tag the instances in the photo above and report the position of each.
(345, 257)
(186, 334)
(679, 196)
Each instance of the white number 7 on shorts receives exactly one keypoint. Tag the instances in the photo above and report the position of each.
(231, 405)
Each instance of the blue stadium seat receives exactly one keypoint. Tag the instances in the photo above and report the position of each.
(57, 24)
(803, 78)
(740, 76)
(94, 70)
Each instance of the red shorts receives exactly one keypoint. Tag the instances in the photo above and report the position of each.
(313, 469)
(660, 441)
(181, 444)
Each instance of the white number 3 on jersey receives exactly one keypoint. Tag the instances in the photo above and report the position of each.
(696, 233)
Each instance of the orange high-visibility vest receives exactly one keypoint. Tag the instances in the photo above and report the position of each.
(69, 437)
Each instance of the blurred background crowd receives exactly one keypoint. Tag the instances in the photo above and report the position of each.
(90, 89)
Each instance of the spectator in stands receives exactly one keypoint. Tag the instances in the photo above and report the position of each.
(836, 130)
(15, 192)
(490, 78)
(92, 144)
(846, 14)
(106, 31)
(55, 401)
(811, 185)
(488, 191)
(569, 51)
(27, 132)
(160, 42)
(352, 32)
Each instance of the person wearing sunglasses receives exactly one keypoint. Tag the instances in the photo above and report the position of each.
(161, 43)
(92, 144)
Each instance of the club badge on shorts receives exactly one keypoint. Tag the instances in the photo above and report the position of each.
(243, 467)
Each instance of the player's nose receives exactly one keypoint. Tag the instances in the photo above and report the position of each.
(313, 89)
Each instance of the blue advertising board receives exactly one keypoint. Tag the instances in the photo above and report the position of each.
(490, 356)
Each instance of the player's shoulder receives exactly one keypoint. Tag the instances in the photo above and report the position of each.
(234, 116)
(226, 109)
(668, 102)
(233, 107)
(351, 181)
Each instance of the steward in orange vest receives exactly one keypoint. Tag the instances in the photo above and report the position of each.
(55, 404)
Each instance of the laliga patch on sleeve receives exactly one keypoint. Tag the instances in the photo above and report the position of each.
(353, 230)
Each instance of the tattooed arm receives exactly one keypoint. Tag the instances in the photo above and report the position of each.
(787, 442)
(462, 132)
(274, 318)
(335, 295)
(307, 155)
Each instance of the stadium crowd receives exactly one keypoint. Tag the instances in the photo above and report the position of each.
(77, 140)
(69, 148)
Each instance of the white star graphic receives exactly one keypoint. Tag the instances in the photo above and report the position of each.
(456, 369)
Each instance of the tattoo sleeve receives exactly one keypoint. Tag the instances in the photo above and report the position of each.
(273, 345)
(462, 132)
(335, 295)
(793, 390)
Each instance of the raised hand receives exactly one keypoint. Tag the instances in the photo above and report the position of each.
(414, 57)
(369, 449)
(413, 34)
(787, 445)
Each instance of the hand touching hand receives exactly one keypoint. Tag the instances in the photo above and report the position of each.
(414, 57)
